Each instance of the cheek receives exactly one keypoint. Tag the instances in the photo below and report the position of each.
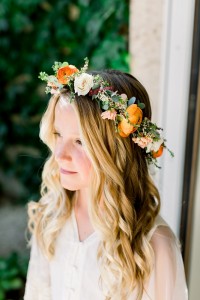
(83, 162)
(56, 151)
(88, 165)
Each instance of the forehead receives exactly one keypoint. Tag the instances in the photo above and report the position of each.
(66, 118)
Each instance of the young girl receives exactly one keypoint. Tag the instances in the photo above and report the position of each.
(97, 233)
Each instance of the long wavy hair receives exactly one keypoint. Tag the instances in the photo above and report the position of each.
(131, 201)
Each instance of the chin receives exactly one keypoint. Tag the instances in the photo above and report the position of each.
(70, 187)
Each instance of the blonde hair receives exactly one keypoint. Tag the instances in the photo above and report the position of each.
(130, 199)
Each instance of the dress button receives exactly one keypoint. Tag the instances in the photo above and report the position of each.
(74, 267)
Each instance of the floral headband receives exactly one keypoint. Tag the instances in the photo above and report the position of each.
(126, 113)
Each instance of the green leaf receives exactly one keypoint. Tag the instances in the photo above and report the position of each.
(131, 101)
(64, 64)
(105, 107)
(12, 284)
(2, 295)
(43, 76)
(95, 86)
(115, 98)
(57, 65)
(141, 105)
(109, 93)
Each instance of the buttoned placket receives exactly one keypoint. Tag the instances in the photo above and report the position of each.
(75, 263)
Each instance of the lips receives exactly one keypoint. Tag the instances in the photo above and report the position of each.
(63, 171)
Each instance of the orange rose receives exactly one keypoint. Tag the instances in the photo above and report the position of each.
(125, 128)
(158, 153)
(64, 72)
(135, 118)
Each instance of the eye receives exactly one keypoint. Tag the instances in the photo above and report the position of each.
(56, 134)
(78, 142)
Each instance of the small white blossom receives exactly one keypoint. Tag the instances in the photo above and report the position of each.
(154, 146)
(103, 97)
(83, 84)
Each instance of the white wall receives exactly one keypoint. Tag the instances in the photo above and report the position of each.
(175, 81)
(161, 34)
(146, 23)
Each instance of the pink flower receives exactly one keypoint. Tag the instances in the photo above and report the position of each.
(123, 96)
(142, 141)
(109, 114)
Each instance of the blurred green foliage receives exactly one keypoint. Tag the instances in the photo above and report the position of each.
(34, 34)
(12, 276)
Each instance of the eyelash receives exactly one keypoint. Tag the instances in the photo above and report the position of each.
(59, 135)
(79, 142)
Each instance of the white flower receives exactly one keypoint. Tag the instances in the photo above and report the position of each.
(103, 97)
(154, 146)
(83, 84)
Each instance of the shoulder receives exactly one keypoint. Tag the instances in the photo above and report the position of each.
(168, 276)
(167, 252)
(166, 248)
(36, 253)
(163, 240)
(162, 232)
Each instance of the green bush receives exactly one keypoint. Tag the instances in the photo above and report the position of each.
(35, 33)
(12, 276)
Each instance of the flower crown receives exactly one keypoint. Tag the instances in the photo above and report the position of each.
(126, 113)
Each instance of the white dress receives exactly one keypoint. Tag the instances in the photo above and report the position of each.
(73, 274)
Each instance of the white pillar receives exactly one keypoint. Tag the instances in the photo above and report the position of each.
(146, 23)
(160, 46)
(175, 83)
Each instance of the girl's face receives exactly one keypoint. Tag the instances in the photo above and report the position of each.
(74, 165)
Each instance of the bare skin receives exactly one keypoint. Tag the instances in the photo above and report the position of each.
(85, 228)
(71, 156)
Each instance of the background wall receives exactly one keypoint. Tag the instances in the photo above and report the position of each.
(161, 43)
(146, 29)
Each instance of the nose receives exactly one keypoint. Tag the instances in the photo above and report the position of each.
(62, 152)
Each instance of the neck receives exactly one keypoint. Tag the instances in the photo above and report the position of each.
(82, 199)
